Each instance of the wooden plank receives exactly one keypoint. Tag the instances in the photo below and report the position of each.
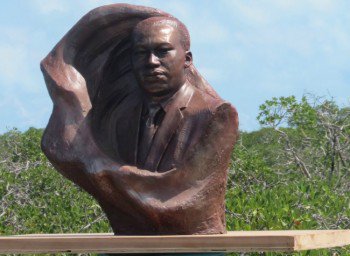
(325, 239)
(237, 241)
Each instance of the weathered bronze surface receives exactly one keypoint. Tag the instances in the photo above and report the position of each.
(136, 125)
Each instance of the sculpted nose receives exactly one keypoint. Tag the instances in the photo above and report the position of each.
(153, 60)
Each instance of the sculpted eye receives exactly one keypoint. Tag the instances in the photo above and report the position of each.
(163, 51)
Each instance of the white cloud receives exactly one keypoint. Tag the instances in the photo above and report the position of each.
(88, 5)
(13, 34)
(253, 13)
(210, 74)
(209, 32)
(322, 5)
(51, 6)
(13, 54)
(182, 10)
(307, 28)
(17, 57)
(22, 109)
(12, 62)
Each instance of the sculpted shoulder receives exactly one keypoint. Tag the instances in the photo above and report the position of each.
(202, 102)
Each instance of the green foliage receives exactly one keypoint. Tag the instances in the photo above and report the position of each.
(314, 134)
(259, 198)
(37, 199)
(279, 178)
(294, 172)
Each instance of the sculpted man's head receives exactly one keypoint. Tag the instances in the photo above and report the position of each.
(160, 55)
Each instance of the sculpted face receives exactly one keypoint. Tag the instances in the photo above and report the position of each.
(159, 59)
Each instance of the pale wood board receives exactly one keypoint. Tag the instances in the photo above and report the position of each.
(236, 241)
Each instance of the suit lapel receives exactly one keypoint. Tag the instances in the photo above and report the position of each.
(172, 120)
(128, 133)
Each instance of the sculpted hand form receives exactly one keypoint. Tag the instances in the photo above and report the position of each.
(136, 125)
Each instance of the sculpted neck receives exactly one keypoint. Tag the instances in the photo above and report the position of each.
(163, 98)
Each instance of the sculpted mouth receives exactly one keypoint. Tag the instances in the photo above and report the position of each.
(154, 73)
(155, 77)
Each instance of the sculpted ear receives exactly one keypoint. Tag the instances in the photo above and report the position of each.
(188, 59)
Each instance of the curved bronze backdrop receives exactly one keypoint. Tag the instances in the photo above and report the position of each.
(182, 187)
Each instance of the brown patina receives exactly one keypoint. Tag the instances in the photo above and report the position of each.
(136, 125)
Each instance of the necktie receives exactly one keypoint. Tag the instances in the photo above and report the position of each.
(149, 128)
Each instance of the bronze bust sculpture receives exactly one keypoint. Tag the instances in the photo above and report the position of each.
(136, 125)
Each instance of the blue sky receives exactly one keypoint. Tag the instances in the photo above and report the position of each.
(249, 51)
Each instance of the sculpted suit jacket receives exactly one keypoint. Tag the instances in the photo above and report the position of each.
(186, 117)
(183, 188)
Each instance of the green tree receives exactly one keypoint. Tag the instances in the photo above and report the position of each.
(314, 133)
(268, 188)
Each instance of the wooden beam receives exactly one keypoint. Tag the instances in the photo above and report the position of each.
(237, 241)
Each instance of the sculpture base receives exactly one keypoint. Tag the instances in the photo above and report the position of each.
(236, 241)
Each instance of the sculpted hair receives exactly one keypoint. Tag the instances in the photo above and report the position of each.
(173, 22)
